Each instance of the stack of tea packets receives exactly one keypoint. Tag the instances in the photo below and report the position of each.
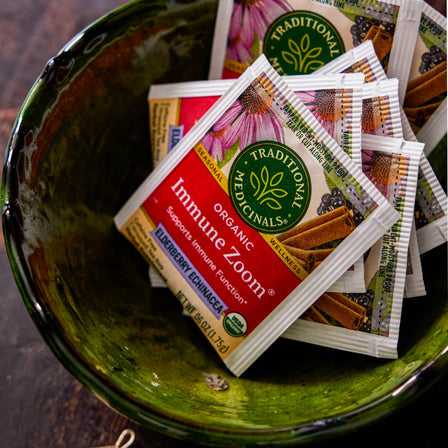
(291, 194)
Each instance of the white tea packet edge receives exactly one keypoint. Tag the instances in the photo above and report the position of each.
(219, 45)
(415, 284)
(435, 128)
(405, 37)
(355, 340)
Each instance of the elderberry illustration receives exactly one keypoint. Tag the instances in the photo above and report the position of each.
(431, 59)
(335, 199)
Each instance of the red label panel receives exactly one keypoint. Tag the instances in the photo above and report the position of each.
(234, 259)
(192, 109)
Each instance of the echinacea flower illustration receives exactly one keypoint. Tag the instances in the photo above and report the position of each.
(237, 51)
(250, 119)
(375, 112)
(217, 142)
(387, 171)
(250, 18)
(330, 107)
(362, 67)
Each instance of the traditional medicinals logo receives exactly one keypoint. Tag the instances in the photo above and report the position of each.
(300, 42)
(269, 186)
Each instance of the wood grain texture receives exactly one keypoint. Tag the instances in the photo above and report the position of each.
(41, 404)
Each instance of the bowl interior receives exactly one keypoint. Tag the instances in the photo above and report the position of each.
(79, 149)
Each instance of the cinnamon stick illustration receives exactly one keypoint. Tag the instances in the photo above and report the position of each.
(341, 298)
(319, 231)
(381, 40)
(308, 258)
(427, 86)
(310, 255)
(340, 310)
(426, 76)
(315, 265)
(313, 315)
(313, 222)
(422, 112)
(307, 265)
(418, 116)
(321, 254)
(302, 254)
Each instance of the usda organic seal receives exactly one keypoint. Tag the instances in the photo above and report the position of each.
(235, 324)
(269, 186)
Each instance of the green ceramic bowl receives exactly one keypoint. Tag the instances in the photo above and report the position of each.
(79, 148)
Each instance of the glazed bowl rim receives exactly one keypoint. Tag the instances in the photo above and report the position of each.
(408, 388)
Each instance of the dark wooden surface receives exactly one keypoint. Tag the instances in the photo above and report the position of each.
(41, 404)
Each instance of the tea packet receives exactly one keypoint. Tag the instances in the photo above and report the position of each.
(222, 24)
(243, 247)
(174, 108)
(335, 100)
(425, 101)
(425, 120)
(431, 202)
(363, 59)
(300, 36)
(336, 103)
(369, 323)
(382, 116)
(381, 106)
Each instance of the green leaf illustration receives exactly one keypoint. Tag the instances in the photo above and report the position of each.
(267, 186)
(265, 176)
(294, 47)
(299, 55)
(278, 192)
(229, 153)
(314, 53)
(313, 65)
(254, 181)
(274, 182)
(290, 59)
(305, 43)
(271, 203)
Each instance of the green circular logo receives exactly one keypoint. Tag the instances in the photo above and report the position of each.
(300, 42)
(235, 324)
(269, 186)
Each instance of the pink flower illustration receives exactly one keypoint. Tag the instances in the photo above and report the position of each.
(387, 171)
(217, 142)
(249, 119)
(237, 51)
(250, 18)
(330, 107)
